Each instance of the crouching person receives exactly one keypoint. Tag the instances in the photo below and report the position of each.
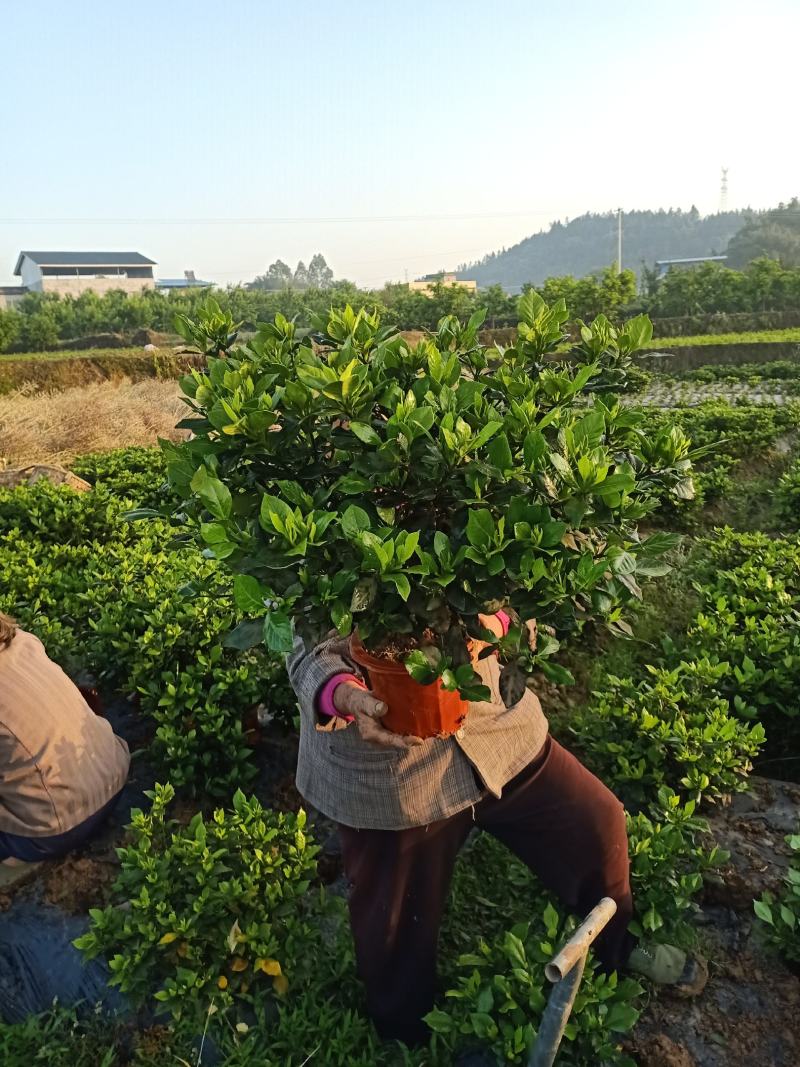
(62, 768)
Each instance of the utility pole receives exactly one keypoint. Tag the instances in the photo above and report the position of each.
(619, 240)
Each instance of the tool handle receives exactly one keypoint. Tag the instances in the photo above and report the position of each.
(580, 942)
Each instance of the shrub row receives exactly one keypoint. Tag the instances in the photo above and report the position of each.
(112, 597)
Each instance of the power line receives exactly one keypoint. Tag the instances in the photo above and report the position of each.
(277, 220)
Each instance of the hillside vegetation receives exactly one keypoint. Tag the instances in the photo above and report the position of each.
(589, 243)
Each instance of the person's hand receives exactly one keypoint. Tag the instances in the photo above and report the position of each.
(367, 710)
(494, 626)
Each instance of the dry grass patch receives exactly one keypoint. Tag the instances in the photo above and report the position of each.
(54, 427)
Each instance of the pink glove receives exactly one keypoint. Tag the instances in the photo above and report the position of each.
(325, 704)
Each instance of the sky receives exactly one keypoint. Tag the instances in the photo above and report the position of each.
(396, 138)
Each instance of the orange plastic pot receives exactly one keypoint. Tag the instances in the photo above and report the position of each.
(421, 710)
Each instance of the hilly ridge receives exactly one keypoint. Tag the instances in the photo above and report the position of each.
(588, 243)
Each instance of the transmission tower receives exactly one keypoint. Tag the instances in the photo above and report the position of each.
(723, 191)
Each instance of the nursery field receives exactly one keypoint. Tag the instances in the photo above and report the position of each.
(790, 334)
(214, 904)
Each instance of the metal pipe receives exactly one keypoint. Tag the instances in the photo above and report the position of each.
(566, 971)
(555, 1017)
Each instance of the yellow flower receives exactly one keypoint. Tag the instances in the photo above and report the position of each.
(239, 964)
(280, 984)
(167, 939)
(222, 982)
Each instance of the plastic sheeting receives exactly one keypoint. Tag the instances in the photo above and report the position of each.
(39, 964)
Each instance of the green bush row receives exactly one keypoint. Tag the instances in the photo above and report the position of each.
(749, 337)
(788, 496)
(729, 439)
(669, 728)
(779, 370)
(111, 596)
(748, 587)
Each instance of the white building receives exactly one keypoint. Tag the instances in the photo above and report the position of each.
(76, 272)
(188, 281)
(10, 295)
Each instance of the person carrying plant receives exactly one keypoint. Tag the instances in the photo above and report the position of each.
(62, 768)
(403, 494)
(404, 807)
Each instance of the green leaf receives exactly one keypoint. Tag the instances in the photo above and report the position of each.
(556, 673)
(440, 1022)
(551, 920)
(213, 493)
(529, 306)
(248, 594)
(441, 544)
(763, 911)
(354, 520)
(365, 433)
(483, 1025)
(480, 528)
(499, 452)
(621, 1017)
(401, 583)
(274, 513)
(420, 666)
(247, 634)
(278, 635)
(788, 916)
(534, 447)
(364, 594)
(342, 618)
(515, 951)
(213, 533)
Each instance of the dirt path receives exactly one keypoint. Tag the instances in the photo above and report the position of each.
(749, 1013)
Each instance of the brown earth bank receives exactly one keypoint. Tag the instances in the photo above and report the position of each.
(66, 370)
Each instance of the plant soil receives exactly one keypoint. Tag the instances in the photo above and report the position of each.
(78, 883)
(395, 647)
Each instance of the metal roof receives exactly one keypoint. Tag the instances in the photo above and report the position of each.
(691, 259)
(85, 259)
(181, 283)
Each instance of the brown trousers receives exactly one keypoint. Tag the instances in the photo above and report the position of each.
(560, 820)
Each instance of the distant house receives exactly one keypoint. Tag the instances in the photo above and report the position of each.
(11, 295)
(188, 281)
(664, 266)
(76, 272)
(426, 285)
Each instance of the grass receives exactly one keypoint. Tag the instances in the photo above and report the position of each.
(756, 337)
(54, 427)
(83, 353)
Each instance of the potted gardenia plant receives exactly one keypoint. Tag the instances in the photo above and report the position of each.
(398, 493)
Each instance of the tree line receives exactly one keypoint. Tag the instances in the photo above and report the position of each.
(40, 321)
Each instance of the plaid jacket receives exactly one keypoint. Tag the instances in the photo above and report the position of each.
(362, 785)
